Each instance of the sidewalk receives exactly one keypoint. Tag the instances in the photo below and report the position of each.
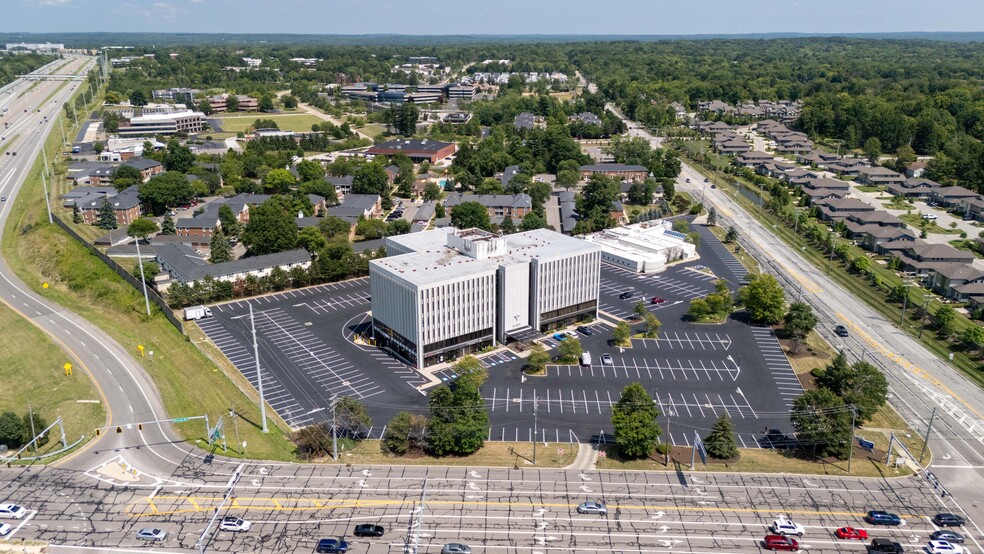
(587, 457)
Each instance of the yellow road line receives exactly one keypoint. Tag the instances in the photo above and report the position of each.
(807, 283)
(905, 364)
(318, 504)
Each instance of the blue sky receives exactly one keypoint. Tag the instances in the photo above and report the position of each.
(661, 17)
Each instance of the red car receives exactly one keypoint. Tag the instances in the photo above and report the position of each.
(780, 542)
(851, 533)
(657, 300)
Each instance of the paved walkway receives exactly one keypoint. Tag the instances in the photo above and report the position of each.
(587, 457)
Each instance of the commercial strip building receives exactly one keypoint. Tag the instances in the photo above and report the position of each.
(418, 150)
(643, 247)
(164, 124)
(445, 293)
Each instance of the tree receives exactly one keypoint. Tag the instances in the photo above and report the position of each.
(313, 441)
(532, 221)
(322, 188)
(125, 176)
(76, 214)
(230, 225)
(570, 350)
(764, 299)
(219, 248)
(507, 226)
(137, 98)
(106, 218)
(536, 362)
(165, 190)
(178, 158)
(459, 421)
(398, 227)
(973, 337)
(98, 147)
(861, 385)
(404, 433)
(11, 430)
(205, 106)
(371, 229)
(167, 225)
(860, 264)
(39, 424)
(567, 178)
(351, 418)
(945, 319)
(904, 156)
(278, 181)
(269, 230)
(404, 118)
(310, 170)
(289, 102)
(731, 235)
(822, 422)
(370, 179)
(439, 211)
(712, 216)
(798, 322)
(640, 309)
(471, 214)
(311, 239)
(265, 103)
(432, 192)
(634, 422)
(873, 149)
(653, 325)
(232, 102)
(720, 442)
(621, 333)
(142, 228)
(490, 185)
(332, 227)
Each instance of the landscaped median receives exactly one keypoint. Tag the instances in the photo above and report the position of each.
(493, 454)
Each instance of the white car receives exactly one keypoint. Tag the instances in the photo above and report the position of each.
(12, 510)
(4, 529)
(943, 547)
(233, 523)
(782, 526)
(606, 359)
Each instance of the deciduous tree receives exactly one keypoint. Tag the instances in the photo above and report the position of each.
(634, 422)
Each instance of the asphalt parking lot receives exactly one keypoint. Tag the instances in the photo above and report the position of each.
(694, 372)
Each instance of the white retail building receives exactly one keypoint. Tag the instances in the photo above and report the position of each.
(441, 294)
(643, 247)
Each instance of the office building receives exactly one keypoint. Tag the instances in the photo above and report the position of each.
(445, 293)
(643, 247)
(164, 124)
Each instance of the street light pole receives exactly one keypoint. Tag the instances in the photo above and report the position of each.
(259, 378)
(143, 280)
(534, 428)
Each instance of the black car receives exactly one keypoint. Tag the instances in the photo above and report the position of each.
(885, 545)
(841, 331)
(948, 520)
(626, 294)
(332, 545)
(948, 536)
(369, 530)
(585, 331)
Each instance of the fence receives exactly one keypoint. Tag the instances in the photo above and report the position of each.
(134, 282)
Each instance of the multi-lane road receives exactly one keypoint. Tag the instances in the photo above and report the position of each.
(97, 498)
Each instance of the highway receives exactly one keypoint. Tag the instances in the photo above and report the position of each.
(97, 498)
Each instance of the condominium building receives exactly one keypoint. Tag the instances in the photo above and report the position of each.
(445, 293)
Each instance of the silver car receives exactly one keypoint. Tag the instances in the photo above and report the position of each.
(591, 507)
(151, 534)
(456, 548)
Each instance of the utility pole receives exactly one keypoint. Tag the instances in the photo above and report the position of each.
(334, 429)
(534, 428)
(235, 425)
(922, 324)
(259, 378)
(47, 203)
(669, 439)
(30, 414)
(926, 438)
(143, 280)
(830, 262)
(850, 444)
(44, 155)
(905, 302)
(64, 138)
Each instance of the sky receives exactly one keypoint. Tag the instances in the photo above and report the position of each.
(442, 17)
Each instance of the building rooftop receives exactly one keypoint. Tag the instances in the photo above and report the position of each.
(411, 145)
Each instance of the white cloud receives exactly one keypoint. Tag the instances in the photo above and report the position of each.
(53, 2)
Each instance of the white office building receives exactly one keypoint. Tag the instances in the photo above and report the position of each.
(441, 294)
(186, 121)
(643, 247)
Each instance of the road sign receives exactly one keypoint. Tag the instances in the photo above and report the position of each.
(699, 445)
(560, 451)
(68, 368)
(866, 444)
(179, 420)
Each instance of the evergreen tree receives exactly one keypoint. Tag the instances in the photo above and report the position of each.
(219, 248)
(167, 225)
(107, 216)
(76, 215)
(720, 442)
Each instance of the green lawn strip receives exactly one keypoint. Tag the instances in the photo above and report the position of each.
(300, 123)
(188, 382)
(6, 145)
(493, 454)
(862, 289)
(31, 373)
(748, 262)
(917, 221)
(53, 93)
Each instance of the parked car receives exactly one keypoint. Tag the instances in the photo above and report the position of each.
(783, 526)
(943, 547)
(586, 331)
(4, 529)
(331, 545)
(235, 524)
(592, 507)
(560, 336)
(606, 359)
(780, 542)
(948, 520)
(948, 536)
(841, 331)
(885, 545)
(626, 294)
(929, 217)
(12, 510)
(851, 533)
(657, 300)
(456, 548)
(151, 534)
(369, 530)
(881, 517)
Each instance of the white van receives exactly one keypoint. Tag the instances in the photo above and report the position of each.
(586, 358)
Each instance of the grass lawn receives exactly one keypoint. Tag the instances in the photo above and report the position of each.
(372, 129)
(917, 221)
(866, 188)
(31, 372)
(814, 352)
(188, 381)
(746, 260)
(760, 460)
(493, 454)
(292, 122)
(6, 146)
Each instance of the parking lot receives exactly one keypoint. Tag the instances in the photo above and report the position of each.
(694, 372)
